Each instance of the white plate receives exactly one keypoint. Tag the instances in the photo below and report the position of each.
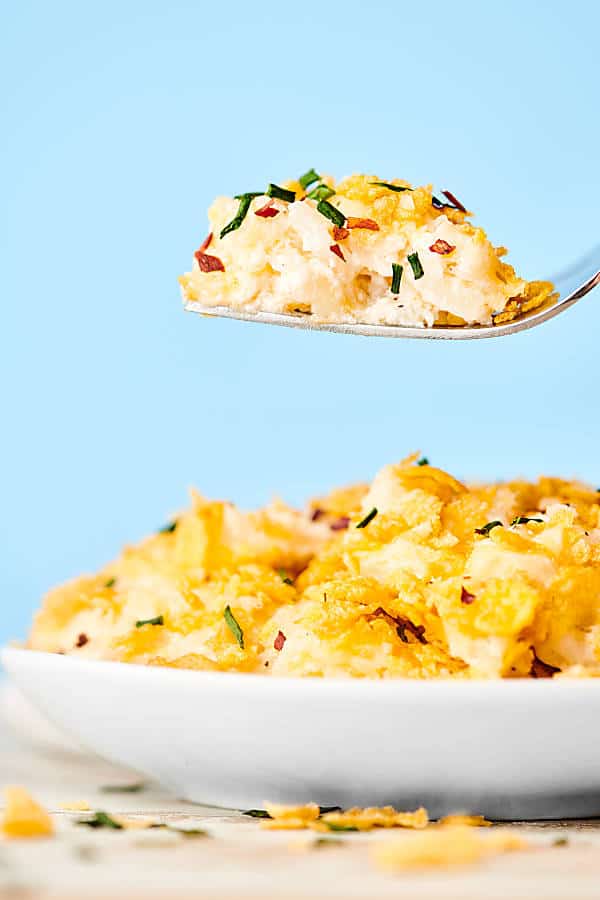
(507, 749)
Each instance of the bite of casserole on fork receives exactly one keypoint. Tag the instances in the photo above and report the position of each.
(362, 250)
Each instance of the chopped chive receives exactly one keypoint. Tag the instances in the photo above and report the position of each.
(391, 187)
(245, 201)
(333, 826)
(327, 842)
(321, 192)
(100, 819)
(423, 461)
(280, 193)
(485, 529)
(523, 520)
(331, 212)
(134, 788)
(110, 582)
(233, 626)
(169, 528)
(396, 278)
(251, 194)
(415, 264)
(368, 518)
(189, 832)
(284, 576)
(257, 813)
(308, 178)
(157, 620)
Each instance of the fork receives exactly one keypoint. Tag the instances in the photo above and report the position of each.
(571, 285)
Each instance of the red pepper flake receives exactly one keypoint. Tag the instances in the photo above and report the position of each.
(449, 196)
(442, 247)
(340, 233)
(401, 624)
(340, 524)
(465, 596)
(317, 514)
(205, 243)
(208, 263)
(540, 669)
(370, 224)
(335, 248)
(82, 640)
(279, 640)
(268, 211)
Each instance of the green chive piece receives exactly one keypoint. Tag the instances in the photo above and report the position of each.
(280, 193)
(251, 194)
(415, 264)
(169, 528)
(100, 819)
(396, 278)
(327, 842)
(330, 212)
(157, 620)
(110, 583)
(134, 788)
(233, 626)
(257, 813)
(189, 832)
(485, 529)
(523, 520)
(333, 826)
(391, 187)
(308, 178)
(284, 576)
(245, 201)
(423, 461)
(321, 192)
(368, 518)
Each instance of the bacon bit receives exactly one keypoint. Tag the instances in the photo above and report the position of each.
(370, 224)
(340, 524)
(205, 243)
(401, 623)
(335, 248)
(540, 669)
(465, 596)
(317, 514)
(442, 247)
(82, 640)
(340, 233)
(268, 211)
(454, 201)
(208, 263)
(279, 640)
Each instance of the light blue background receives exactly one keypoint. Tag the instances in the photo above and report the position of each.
(120, 123)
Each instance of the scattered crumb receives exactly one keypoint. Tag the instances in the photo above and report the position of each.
(447, 846)
(75, 806)
(23, 817)
(465, 819)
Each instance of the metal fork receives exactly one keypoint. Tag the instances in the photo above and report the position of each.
(571, 285)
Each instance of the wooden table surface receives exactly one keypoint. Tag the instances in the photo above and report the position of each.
(239, 860)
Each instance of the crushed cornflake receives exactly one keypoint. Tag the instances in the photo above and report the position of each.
(285, 817)
(23, 816)
(373, 817)
(452, 845)
(354, 819)
(464, 819)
